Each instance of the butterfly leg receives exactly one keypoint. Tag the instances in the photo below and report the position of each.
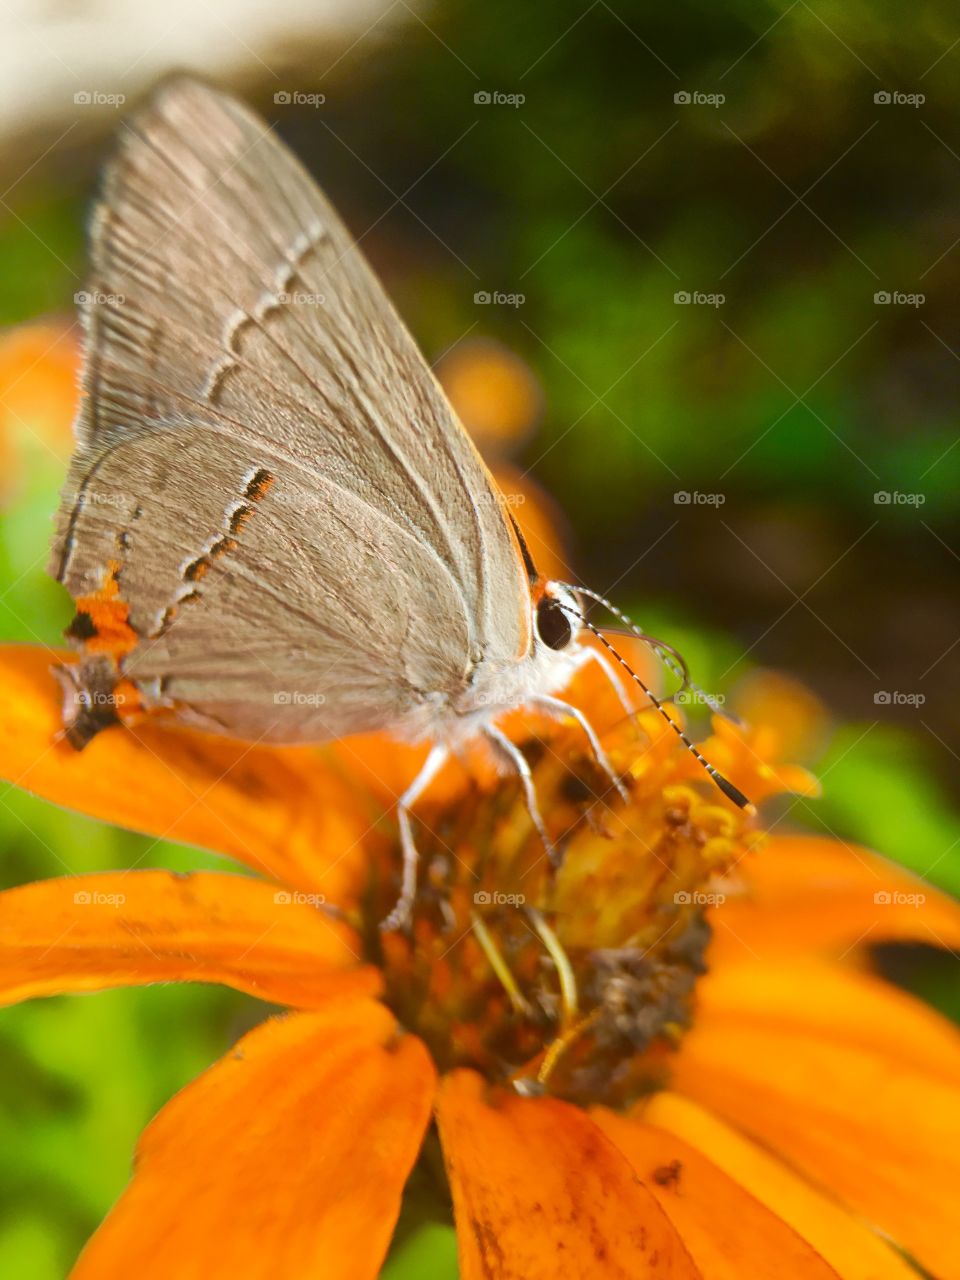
(514, 756)
(399, 917)
(557, 709)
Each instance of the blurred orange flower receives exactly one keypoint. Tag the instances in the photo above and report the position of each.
(38, 393)
(604, 1106)
(668, 1057)
(497, 397)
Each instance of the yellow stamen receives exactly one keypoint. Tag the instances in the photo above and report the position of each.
(565, 975)
(563, 1043)
(499, 965)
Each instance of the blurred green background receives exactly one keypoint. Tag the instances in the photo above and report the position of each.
(783, 410)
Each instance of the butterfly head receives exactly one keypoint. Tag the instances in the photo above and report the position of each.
(556, 616)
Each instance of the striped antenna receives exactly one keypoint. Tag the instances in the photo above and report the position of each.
(668, 655)
(726, 786)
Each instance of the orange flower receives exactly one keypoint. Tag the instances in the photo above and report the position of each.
(38, 393)
(614, 1092)
(496, 395)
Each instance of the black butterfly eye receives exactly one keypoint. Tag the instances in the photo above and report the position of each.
(553, 625)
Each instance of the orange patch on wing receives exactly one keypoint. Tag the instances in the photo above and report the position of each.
(172, 610)
(108, 616)
(196, 570)
(240, 518)
(259, 485)
(539, 1192)
(287, 1159)
(222, 547)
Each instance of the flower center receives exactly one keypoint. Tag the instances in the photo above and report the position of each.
(577, 978)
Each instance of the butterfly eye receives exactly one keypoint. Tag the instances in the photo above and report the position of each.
(553, 625)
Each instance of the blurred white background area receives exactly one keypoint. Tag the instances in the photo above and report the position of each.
(58, 55)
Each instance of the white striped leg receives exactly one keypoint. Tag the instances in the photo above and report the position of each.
(399, 917)
(559, 710)
(516, 757)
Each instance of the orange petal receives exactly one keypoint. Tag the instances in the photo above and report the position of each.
(729, 1233)
(805, 893)
(539, 1192)
(86, 933)
(833, 1003)
(382, 768)
(881, 1134)
(795, 721)
(283, 811)
(842, 1239)
(38, 384)
(286, 1159)
(746, 754)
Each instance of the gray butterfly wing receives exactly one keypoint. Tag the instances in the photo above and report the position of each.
(267, 473)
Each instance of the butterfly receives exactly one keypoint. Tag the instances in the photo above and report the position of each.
(273, 526)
